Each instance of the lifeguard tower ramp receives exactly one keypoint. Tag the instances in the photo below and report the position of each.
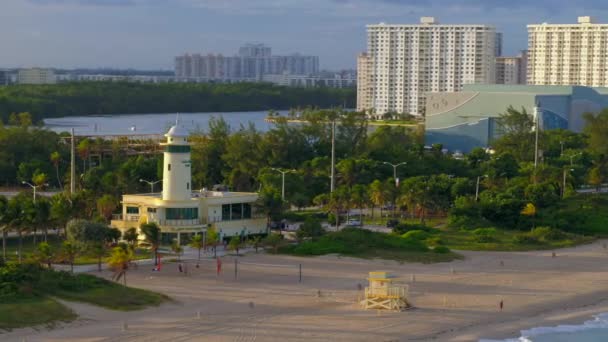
(384, 294)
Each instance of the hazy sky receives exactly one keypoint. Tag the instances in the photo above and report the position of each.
(149, 33)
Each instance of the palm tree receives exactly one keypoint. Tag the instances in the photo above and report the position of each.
(106, 206)
(69, 251)
(212, 238)
(197, 242)
(84, 148)
(377, 195)
(152, 236)
(359, 197)
(131, 237)
(177, 249)
(56, 159)
(4, 221)
(119, 261)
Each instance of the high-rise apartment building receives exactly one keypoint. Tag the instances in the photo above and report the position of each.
(498, 44)
(407, 61)
(36, 76)
(251, 64)
(364, 90)
(3, 78)
(568, 54)
(511, 70)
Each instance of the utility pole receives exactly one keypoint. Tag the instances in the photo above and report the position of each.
(73, 166)
(333, 156)
(536, 129)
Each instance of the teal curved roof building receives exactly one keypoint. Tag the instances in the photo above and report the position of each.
(464, 120)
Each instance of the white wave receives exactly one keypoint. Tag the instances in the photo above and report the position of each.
(599, 322)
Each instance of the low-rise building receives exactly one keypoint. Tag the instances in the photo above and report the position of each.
(181, 212)
(464, 120)
(36, 76)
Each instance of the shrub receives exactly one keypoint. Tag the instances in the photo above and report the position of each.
(548, 234)
(434, 241)
(441, 250)
(311, 228)
(484, 235)
(416, 235)
(526, 239)
(403, 228)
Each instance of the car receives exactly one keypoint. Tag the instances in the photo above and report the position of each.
(353, 223)
(391, 223)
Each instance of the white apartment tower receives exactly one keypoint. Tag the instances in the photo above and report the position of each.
(407, 61)
(511, 70)
(568, 54)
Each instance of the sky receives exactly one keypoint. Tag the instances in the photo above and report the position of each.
(147, 34)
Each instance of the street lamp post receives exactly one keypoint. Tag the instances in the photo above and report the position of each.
(33, 187)
(564, 181)
(395, 166)
(283, 172)
(150, 183)
(572, 157)
(477, 186)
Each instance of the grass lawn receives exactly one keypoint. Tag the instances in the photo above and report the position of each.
(114, 296)
(504, 240)
(24, 312)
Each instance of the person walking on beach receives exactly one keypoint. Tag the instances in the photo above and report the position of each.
(501, 305)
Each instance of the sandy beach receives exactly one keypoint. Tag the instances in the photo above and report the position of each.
(457, 301)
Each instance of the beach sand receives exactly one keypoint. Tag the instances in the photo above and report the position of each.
(457, 301)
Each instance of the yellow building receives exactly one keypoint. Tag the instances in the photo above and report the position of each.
(181, 212)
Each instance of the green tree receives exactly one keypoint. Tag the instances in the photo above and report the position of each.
(106, 206)
(197, 243)
(44, 254)
(119, 261)
(213, 238)
(56, 160)
(235, 244)
(69, 251)
(274, 241)
(131, 237)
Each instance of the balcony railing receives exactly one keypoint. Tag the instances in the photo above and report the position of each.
(179, 223)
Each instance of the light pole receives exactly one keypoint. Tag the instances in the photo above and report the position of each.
(395, 166)
(33, 187)
(477, 186)
(572, 157)
(283, 172)
(150, 183)
(564, 182)
(536, 129)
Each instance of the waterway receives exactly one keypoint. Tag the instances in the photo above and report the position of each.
(125, 124)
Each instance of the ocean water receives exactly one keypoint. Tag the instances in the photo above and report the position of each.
(595, 330)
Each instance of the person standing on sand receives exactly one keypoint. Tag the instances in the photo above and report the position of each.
(501, 305)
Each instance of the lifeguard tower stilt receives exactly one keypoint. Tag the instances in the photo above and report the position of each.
(384, 294)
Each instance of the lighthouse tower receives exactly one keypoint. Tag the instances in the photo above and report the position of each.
(177, 175)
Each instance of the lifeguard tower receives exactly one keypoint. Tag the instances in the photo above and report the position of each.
(383, 293)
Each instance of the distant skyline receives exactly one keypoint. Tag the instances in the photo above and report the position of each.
(148, 34)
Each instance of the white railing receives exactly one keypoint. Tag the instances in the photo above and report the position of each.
(179, 223)
(386, 292)
(117, 217)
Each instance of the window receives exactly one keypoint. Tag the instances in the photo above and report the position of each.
(132, 210)
(177, 148)
(236, 211)
(182, 213)
(246, 210)
(168, 167)
(151, 210)
(225, 212)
